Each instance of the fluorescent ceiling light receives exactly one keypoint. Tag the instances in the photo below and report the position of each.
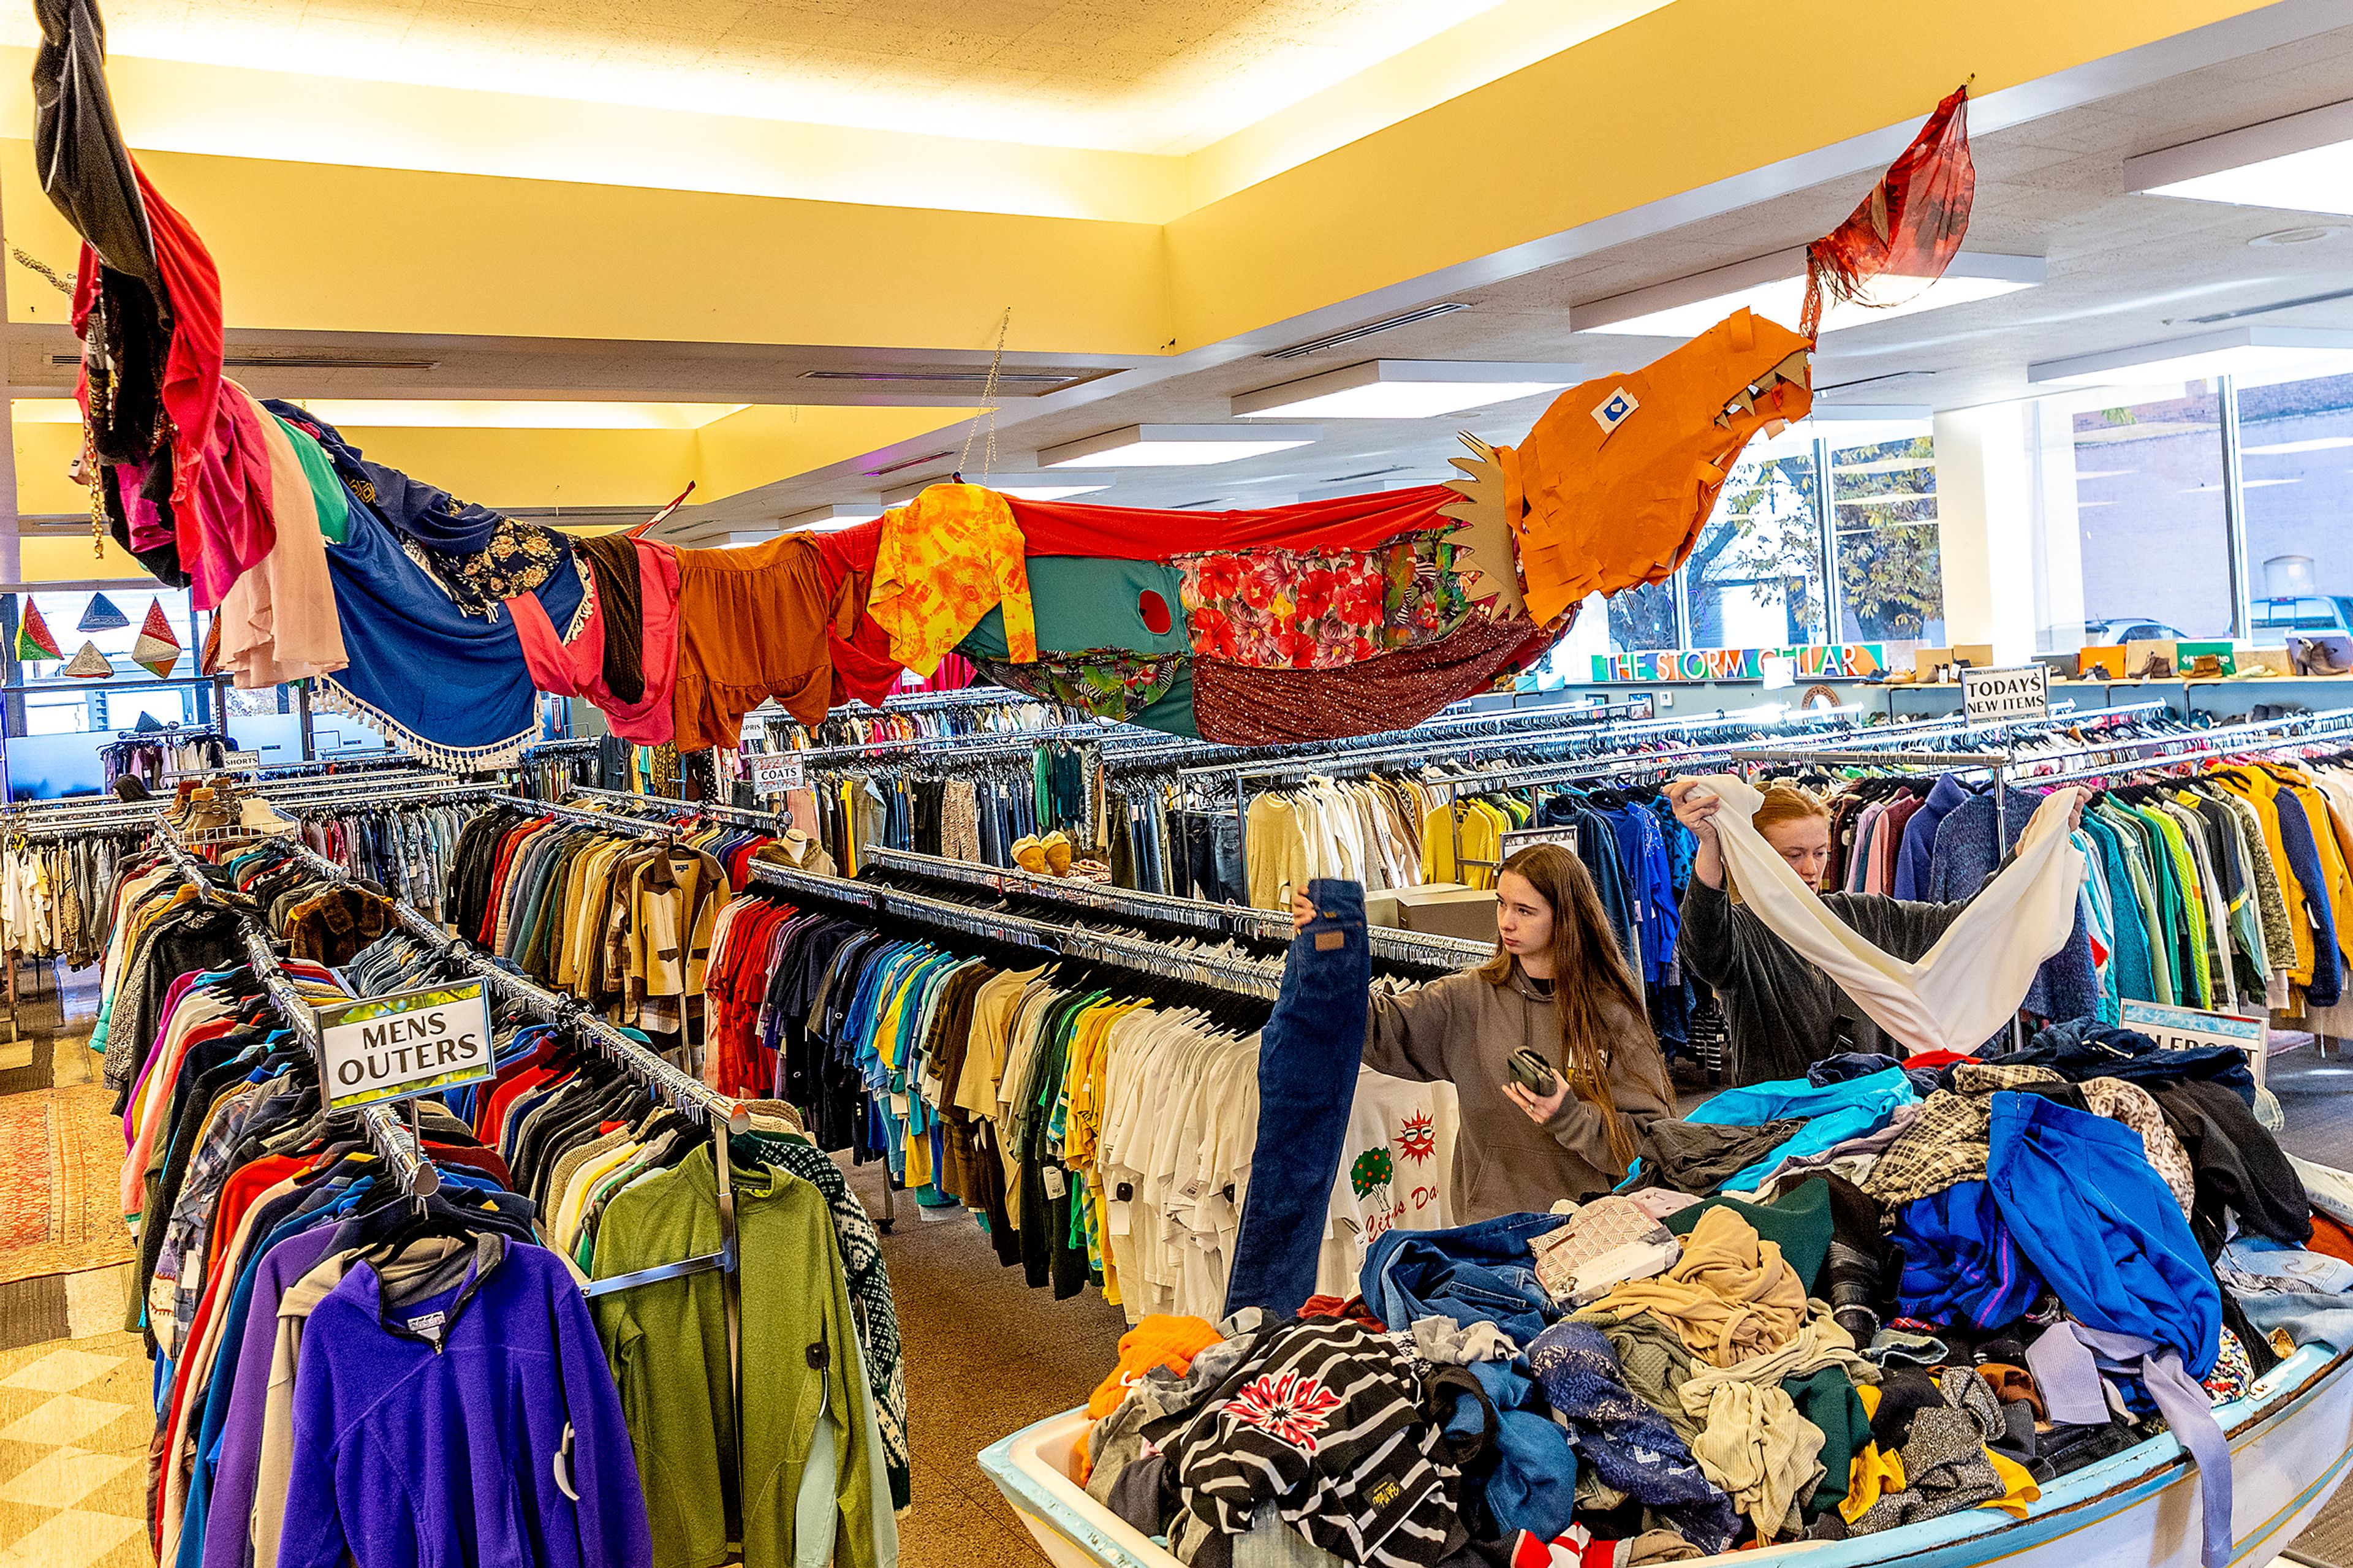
(2302, 162)
(1405, 389)
(2236, 350)
(1775, 287)
(1080, 485)
(2284, 448)
(1176, 446)
(442, 414)
(824, 518)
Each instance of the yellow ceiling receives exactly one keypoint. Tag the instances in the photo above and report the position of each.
(441, 414)
(1127, 110)
(1137, 76)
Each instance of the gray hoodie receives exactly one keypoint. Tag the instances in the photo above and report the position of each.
(1463, 1030)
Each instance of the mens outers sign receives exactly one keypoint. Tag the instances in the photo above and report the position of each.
(410, 1043)
(1993, 695)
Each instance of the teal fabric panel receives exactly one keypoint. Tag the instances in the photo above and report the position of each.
(1084, 602)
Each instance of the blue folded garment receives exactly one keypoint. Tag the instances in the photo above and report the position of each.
(1834, 1112)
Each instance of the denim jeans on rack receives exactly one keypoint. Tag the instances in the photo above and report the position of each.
(1307, 1060)
(1213, 856)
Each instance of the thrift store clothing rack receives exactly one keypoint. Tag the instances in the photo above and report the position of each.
(401, 1148)
(717, 1112)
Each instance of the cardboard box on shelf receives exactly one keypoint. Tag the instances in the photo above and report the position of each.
(2159, 659)
(2264, 662)
(1926, 661)
(1382, 906)
(1976, 655)
(1448, 909)
(2103, 661)
(2193, 655)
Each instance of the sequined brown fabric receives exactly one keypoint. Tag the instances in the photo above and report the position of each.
(1245, 707)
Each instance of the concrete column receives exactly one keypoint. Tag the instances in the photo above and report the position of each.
(1985, 505)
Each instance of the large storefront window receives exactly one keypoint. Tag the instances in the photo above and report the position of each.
(2295, 475)
(1884, 528)
(2134, 524)
(1643, 617)
(1755, 579)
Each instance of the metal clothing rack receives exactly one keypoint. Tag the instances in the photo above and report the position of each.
(402, 1149)
(2266, 736)
(2196, 745)
(1237, 920)
(715, 1111)
(1244, 976)
(749, 817)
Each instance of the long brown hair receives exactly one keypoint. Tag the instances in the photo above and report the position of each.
(1588, 969)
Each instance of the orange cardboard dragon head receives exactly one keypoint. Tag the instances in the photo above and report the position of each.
(1613, 485)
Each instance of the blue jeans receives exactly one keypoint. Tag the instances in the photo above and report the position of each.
(1307, 1060)
(1482, 1272)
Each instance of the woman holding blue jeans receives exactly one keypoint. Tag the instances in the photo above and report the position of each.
(1559, 985)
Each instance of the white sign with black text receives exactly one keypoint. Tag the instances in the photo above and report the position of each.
(1992, 696)
(410, 1043)
(2187, 1029)
(774, 773)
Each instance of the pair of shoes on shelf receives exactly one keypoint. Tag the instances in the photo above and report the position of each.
(1046, 857)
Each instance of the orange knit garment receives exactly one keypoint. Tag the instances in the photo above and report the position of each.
(1160, 1340)
(1599, 506)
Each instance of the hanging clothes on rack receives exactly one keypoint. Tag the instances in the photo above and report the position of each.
(618, 913)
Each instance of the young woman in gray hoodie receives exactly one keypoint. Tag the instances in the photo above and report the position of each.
(1558, 986)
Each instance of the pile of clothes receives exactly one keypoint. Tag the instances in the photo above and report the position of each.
(1820, 1307)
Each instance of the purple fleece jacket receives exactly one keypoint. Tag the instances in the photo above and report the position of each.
(408, 1453)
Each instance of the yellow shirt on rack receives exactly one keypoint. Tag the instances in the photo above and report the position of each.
(1275, 851)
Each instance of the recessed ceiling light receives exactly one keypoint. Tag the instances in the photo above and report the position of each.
(1404, 389)
(2301, 163)
(825, 518)
(1176, 446)
(2269, 351)
(1080, 485)
(1775, 287)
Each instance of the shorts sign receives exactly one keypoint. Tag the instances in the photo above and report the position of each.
(1995, 696)
(774, 773)
(410, 1043)
(2186, 1028)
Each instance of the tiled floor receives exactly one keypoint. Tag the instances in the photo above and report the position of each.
(75, 1418)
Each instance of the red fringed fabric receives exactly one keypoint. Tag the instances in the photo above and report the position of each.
(1910, 226)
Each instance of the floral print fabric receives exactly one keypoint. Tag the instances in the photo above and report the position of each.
(1108, 685)
(1289, 609)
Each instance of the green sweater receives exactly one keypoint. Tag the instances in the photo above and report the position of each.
(802, 1381)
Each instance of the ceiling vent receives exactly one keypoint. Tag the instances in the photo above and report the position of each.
(909, 463)
(1357, 334)
(1026, 383)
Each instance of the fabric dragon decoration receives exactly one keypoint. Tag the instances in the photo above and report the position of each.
(440, 621)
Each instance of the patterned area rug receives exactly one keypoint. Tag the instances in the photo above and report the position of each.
(60, 1159)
